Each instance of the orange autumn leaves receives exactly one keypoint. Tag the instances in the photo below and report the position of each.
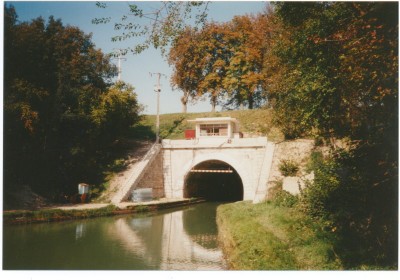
(222, 61)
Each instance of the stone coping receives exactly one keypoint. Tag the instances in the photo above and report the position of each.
(205, 143)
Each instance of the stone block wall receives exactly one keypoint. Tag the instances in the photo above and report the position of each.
(298, 151)
(154, 177)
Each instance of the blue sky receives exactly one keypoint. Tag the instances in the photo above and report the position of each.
(136, 68)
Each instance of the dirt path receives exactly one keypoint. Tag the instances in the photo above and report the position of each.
(122, 205)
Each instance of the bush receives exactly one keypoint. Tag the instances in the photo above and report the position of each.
(288, 168)
(315, 161)
(285, 199)
(357, 205)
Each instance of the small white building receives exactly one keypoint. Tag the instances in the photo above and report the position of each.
(222, 127)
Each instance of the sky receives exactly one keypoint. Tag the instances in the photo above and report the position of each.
(136, 69)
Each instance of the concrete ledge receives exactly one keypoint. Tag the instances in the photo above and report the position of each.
(161, 204)
(215, 143)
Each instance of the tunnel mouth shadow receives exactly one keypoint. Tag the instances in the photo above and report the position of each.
(213, 180)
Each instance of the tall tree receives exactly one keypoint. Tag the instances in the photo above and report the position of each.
(244, 78)
(329, 52)
(223, 61)
(55, 81)
(214, 53)
(341, 80)
(199, 58)
(184, 59)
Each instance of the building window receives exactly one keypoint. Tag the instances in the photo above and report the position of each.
(214, 130)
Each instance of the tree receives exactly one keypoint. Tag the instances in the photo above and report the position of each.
(118, 109)
(224, 61)
(213, 51)
(156, 27)
(325, 56)
(59, 100)
(199, 58)
(245, 80)
(184, 59)
(341, 80)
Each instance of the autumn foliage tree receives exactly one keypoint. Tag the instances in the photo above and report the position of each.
(184, 58)
(341, 80)
(222, 61)
(244, 80)
(198, 59)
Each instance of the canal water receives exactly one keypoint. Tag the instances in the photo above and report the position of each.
(179, 239)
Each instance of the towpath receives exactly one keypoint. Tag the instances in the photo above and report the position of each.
(122, 205)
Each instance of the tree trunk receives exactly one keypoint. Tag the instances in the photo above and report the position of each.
(184, 100)
(251, 101)
(213, 103)
(184, 108)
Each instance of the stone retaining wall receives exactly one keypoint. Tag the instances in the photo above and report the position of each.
(154, 177)
(298, 151)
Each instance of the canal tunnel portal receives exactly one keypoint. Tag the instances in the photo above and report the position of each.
(249, 159)
(213, 180)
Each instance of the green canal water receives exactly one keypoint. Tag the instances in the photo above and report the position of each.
(180, 239)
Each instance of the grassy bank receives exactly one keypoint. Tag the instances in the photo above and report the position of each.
(265, 236)
(172, 126)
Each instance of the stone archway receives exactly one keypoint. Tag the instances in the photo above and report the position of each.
(213, 180)
(178, 178)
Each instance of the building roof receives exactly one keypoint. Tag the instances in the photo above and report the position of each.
(219, 119)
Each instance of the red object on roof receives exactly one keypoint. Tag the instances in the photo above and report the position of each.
(190, 134)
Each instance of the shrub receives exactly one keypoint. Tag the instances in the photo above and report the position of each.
(315, 161)
(288, 168)
(285, 199)
(358, 204)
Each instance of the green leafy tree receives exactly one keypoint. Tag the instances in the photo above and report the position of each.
(335, 55)
(60, 106)
(118, 109)
(341, 80)
(154, 27)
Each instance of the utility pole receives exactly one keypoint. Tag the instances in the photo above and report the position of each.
(157, 89)
(119, 64)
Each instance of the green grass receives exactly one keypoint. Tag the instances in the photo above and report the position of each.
(265, 236)
(172, 126)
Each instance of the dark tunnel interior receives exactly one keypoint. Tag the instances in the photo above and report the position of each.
(213, 185)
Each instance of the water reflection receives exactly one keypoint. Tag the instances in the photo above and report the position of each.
(164, 241)
(80, 231)
(172, 240)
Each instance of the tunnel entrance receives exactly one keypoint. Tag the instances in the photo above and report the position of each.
(213, 180)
